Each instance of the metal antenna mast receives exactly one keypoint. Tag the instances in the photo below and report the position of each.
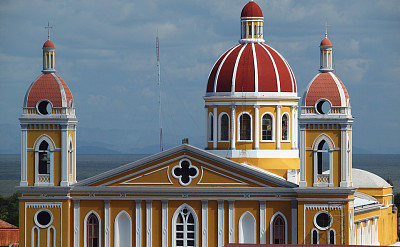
(159, 90)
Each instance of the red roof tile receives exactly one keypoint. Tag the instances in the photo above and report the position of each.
(6, 225)
(326, 42)
(48, 44)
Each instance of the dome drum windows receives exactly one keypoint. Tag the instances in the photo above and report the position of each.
(285, 128)
(244, 127)
(267, 127)
(224, 127)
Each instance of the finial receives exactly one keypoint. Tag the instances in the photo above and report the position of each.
(48, 30)
(326, 29)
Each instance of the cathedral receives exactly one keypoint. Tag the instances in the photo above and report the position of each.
(275, 169)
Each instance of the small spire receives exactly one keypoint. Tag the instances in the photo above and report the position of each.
(48, 30)
(326, 29)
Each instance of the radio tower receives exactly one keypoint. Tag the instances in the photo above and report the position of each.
(159, 90)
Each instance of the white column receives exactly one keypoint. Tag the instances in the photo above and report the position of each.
(233, 128)
(231, 221)
(330, 168)
(315, 165)
(76, 223)
(36, 167)
(24, 181)
(204, 223)
(149, 226)
(138, 205)
(256, 127)
(215, 126)
(293, 131)
(164, 215)
(263, 223)
(343, 152)
(207, 126)
(278, 126)
(220, 223)
(294, 222)
(64, 155)
(107, 223)
(302, 182)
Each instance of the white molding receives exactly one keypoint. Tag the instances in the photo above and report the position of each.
(340, 89)
(312, 237)
(164, 223)
(261, 153)
(220, 224)
(204, 223)
(278, 126)
(320, 227)
(256, 127)
(334, 234)
(107, 223)
(271, 228)
(241, 234)
(54, 236)
(138, 208)
(33, 236)
(85, 227)
(36, 221)
(263, 223)
(24, 181)
(149, 223)
(64, 102)
(64, 156)
(255, 68)
(233, 86)
(116, 228)
(180, 166)
(146, 174)
(303, 181)
(196, 224)
(215, 126)
(205, 168)
(76, 222)
(233, 127)
(278, 82)
(51, 150)
(231, 221)
(220, 67)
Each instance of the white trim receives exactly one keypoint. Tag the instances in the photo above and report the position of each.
(235, 68)
(241, 233)
(263, 223)
(138, 208)
(239, 127)
(54, 236)
(233, 131)
(288, 127)
(247, 96)
(146, 174)
(37, 222)
(220, 67)
(255, 68)
(64, 156)
(33, 236)
(51, 149)
(196, 224)
(220, 224)
(304, 98)
(334, 236)
(320, 227)
(312, 236)
(273, 126)
(340, 89)
(64, 102)
(231, 221)
(107, 223)
(256, 127)
(220, 127)
(76, 222)
(224, 175)
(278, 126)
(204, 223)
(278, 82)
(180, 177)
(85, 227)
(164, 223)
(271, 228)
(24, 181)
(149, 223)
(287, 66)
(303, 182)
(116, 229)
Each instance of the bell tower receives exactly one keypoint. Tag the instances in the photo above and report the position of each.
(325, 128)
(48, 128)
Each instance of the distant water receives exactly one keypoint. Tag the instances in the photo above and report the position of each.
(384, 165)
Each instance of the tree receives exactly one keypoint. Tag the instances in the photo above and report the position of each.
(9, 209)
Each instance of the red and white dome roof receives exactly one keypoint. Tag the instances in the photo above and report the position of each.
(251, 9)
(251, 68)
(49, 87)
(326, 86)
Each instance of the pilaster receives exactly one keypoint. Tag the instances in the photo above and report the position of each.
(64, 155)
(107, 216)
(256, 127)
(233, 127)
(278, 127)
(215, 126)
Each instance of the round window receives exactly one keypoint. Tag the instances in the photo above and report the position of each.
(44, 107)
(43, 218)
(323, 220)
(323, 106)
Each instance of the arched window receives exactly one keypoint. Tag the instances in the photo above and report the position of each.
(184, 227)
(247, 229)
(285, 127)
(255, 29)
(278, 228)
(210, 127)
(224, 127)
(51, 237)
(314, 236)
(35, 237)
(249, 29)
(92, 231)
(266, 127)
(123, 230)
(331, 237)
(244, 127)
(323, 156)
(44, 158)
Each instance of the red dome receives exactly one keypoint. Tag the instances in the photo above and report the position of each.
(48, 44)
(326, 42)
(50, 87)
(253, 67)
(251, 9)
(326, 86)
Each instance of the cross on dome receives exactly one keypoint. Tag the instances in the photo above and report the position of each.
(48, 30)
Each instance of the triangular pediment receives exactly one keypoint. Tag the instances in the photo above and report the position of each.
(186, 166)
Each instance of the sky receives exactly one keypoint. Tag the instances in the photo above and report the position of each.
(105, 52)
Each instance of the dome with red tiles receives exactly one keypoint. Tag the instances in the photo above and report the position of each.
(48, 44)
(251, 68)
(49, 87)
(326, 42)
(326, 86)
(251, 9)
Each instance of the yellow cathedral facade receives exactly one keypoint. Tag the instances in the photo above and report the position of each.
(274, 170)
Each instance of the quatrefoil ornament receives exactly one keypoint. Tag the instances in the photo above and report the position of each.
(185, 172)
